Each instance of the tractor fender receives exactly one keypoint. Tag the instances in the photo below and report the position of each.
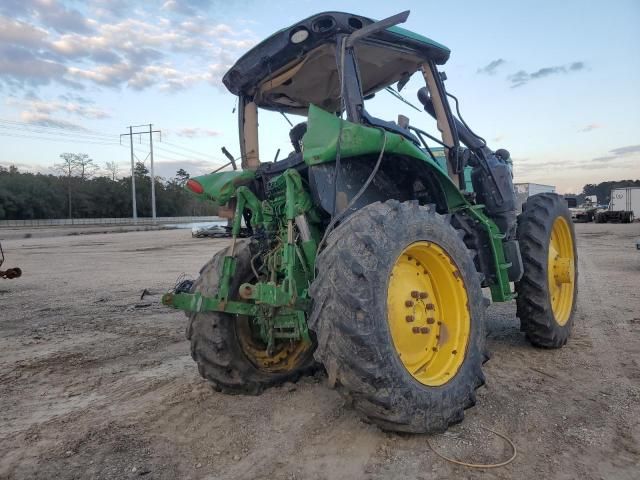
(359, 147)
(399, 177)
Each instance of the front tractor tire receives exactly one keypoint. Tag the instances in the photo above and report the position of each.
(548, 289)
(399, 316)
(226, 348)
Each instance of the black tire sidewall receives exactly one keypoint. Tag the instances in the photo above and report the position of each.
(541, 325)
(214, 336)
(363, 252)
(456, 249)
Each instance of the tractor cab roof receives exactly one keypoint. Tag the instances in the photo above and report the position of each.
(297, 66)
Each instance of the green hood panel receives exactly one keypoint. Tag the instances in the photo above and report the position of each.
(321, 140)
(221, 187)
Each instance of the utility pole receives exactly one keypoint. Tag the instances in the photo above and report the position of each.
(133, 180)
(133, 176)
(153, 178)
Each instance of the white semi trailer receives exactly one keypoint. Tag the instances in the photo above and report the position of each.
(624, 206)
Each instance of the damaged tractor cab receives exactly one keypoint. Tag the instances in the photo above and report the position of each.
(372, 239)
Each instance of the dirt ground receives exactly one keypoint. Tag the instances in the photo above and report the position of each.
(96, 383)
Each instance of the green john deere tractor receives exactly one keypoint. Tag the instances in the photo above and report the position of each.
(370, 243)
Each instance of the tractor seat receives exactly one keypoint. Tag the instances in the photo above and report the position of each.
(294, 160)
(390, 127)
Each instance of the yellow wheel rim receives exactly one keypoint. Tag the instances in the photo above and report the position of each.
(428, 313)
(561, 270)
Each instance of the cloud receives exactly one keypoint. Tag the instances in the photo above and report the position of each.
(40, 45)
(196, 132)
(53, 14)
(590, 127)
(626, 150)
(491, 68)
(521, 77)
(621, 157)
(45, 120)
(20, 67)
(617, 154)
(36, 111)
(48, 13)
(21, 33)
(186, 7)
(78, 109)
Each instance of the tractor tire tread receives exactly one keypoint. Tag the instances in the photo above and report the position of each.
(357, 352)
(533, 306)
(215, 346)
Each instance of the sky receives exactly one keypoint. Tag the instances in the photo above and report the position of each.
(557, 83)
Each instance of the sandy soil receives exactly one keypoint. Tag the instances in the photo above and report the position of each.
(96, 383)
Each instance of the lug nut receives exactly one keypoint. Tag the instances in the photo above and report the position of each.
(408, 303)
(430, 306)
(415, 294)
(423, 295)
(410, 318)
(415, 329)
(430, 320)
(424, 330)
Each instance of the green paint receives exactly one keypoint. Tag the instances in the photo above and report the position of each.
(501, 288)
(320, 146)
(220, 187)
(196, 302)
(321, 140)
(403, 32)
(441, 160)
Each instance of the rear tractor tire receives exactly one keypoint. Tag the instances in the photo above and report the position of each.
(226, 348)
(399, 316)
(547, 292)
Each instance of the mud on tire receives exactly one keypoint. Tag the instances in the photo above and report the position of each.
(217, 339)
(350, 319)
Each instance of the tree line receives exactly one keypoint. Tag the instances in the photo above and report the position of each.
(78, 191)
(603, 190)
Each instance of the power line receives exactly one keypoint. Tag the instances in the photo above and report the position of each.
(47, 128)
(187, 149)
(189, 156)
(131, 133)
(92, 135)
(68, 140)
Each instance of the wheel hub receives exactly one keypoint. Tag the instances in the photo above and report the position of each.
(428, 313)
(561, 270)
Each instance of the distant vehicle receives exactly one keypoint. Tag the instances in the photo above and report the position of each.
(624, 206)
(215, 231)
(585, 212)
(572, 202)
